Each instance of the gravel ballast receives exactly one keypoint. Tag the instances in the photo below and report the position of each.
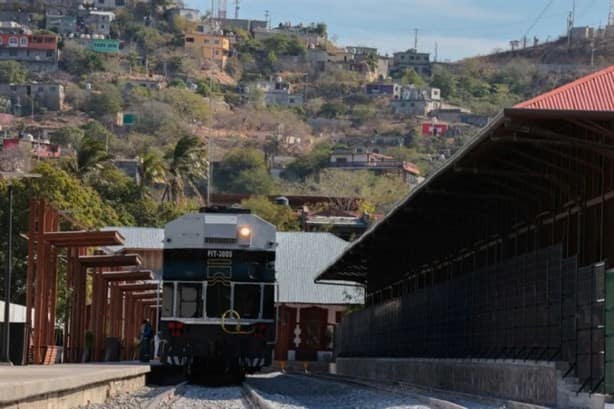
(289, 392)
(192, 397)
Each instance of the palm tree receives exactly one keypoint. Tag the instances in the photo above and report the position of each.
(91, 155)
(186, 166)
(152, 170)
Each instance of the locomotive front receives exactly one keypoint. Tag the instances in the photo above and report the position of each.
(218, 313)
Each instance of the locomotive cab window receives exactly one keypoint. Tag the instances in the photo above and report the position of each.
(190, 300)
(218, 299)
(168, 299)
(268, 303)
(247, 300)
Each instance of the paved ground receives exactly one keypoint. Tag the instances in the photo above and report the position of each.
(21, 382)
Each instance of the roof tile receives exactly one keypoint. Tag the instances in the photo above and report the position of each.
(595, 92)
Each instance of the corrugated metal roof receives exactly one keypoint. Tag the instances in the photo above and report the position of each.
(145, 238)
(300, 257)
(594, 92)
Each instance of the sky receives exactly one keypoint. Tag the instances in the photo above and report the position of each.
(461, 28)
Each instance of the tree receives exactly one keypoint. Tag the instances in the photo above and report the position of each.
(309, 164)
(78, 60)
(187, 104)
(243, 170)
(68, 136)
(106, 101)
(152, 170)
(91, 155)
(283, 217)
(410, 77)
(186, 167)
(12, 72)
(378, 193)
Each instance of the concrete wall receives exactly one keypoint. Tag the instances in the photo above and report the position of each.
(513, 380)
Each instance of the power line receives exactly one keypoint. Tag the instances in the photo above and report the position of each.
(538, 18)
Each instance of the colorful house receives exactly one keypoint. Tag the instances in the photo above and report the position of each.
(209, 47)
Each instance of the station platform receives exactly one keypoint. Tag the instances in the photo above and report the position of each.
(66, 386)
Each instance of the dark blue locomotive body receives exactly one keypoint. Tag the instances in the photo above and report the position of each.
(218, 311)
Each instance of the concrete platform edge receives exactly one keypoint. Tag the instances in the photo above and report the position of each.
(74, 389)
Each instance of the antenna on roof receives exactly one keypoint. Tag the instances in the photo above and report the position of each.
(237, 7)
(416, 39)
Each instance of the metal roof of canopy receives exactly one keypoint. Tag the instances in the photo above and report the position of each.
(513, 168)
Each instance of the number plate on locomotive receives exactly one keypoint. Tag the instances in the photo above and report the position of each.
(219, 253)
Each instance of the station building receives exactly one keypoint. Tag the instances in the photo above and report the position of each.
(494, 276)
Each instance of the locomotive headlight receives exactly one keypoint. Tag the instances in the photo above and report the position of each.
(245, 232)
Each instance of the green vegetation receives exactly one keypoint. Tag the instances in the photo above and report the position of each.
(243, 170)
(12, 72)
(283, 217)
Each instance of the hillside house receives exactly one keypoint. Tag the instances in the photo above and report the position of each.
(98, 22)
(231, 24)
(40, 148)
(49, 96)
(420, 62)
(59, 21)
(188, 14)
(384, 88)
(13, 27)
(416, 101)
(308, 36)
(276, 93)
(214, 47)
(38, 52)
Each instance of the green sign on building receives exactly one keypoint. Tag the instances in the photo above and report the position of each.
(104, 46)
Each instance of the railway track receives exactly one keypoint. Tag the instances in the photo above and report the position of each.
(281, 391)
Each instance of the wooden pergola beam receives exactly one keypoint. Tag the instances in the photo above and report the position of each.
(123, 260)
(83, 238)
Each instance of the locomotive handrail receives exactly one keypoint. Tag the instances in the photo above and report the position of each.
(237, 317)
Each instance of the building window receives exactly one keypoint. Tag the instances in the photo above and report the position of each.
(120, 3)
(49, 54)
(216, 42)
(0, 40)
(13, 42)
(206, 41)
(50, 40)
(189, 39)
(23, 41)
(13, 52)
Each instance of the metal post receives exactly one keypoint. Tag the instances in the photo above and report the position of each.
(7, 280)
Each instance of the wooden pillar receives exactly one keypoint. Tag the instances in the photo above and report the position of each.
(97, 318)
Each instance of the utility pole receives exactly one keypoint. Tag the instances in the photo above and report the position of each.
(436, 51)
(593, 52)
(237, 8)
(267, 18)
(416, 39)
(210, 172)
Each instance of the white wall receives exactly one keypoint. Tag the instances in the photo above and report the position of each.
(17, 313)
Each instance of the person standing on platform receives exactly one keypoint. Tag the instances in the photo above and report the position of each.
(145, 346)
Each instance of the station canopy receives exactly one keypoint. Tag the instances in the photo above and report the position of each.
(535, 160)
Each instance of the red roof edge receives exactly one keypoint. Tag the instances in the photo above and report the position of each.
(559, 90)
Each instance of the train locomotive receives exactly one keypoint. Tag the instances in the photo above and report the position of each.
(218, 313)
